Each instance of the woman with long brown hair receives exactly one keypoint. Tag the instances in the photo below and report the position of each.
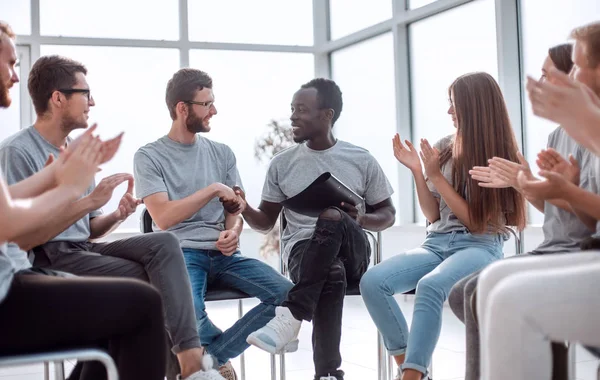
(563, 232)
(468, 223)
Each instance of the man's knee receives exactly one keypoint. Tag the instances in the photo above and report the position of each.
(456, 299)
(165, 239)
(331, 213)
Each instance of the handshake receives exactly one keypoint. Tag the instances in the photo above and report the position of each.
(233, 199)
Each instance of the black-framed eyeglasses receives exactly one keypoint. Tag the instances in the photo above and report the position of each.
(85, 91)
(203, 104)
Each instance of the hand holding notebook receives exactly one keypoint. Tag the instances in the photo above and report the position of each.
(325, 191)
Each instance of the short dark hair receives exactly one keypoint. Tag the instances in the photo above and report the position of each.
(51, 73)
(329, 95)
(183, 86)
(561, 57)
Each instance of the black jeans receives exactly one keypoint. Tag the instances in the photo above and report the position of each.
(321, 267)
(43, 313)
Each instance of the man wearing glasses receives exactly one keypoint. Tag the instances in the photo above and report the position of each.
(182, 179)
(62, 100)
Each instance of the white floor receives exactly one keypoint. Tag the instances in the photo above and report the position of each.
(358, 348)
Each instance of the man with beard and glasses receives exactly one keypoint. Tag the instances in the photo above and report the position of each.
(62, 100)
(182, 179)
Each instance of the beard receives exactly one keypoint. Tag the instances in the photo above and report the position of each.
(69, 123)
(194, 124)
(5, 99)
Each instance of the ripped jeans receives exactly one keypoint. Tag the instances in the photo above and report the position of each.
(320, 267)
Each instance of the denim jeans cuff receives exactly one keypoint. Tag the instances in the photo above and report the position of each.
(397, 352)
(193, 342)
(417, 367)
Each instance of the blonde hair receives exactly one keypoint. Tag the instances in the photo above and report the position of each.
(589, 35)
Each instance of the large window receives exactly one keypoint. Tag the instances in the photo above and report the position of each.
(17, 14)
(251, 89)
(129, 92)
(368, 118)
(349, 16)
(412, 4)
(258, 22)
(543, 27)
(444, 47)
(139, 19)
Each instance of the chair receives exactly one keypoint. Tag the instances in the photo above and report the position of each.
(58, 359)
(384, 370)
(215, 294)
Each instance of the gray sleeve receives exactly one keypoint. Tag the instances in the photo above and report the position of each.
(233, 175)
(148, 178)
(271, 190)
(99, 211)
(586, 172)
(378, 187)
(16, 164)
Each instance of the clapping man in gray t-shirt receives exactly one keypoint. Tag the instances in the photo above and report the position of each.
(181, 177)
(323, 254)
(62, 100)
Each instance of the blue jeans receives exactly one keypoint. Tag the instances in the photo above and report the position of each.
(432, 269)
(257, 279)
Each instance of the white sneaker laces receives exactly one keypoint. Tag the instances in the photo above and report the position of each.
(283, 327)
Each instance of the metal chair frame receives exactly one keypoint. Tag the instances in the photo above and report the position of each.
(58, 358)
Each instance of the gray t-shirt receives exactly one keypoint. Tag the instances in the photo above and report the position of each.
(594, 182)
(563, 231)
(180, 170)
(7, 271)
(24, 154)
(293, 169)
(447, 222)
(7, 268)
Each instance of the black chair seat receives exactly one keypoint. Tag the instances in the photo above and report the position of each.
(223, 294)
(594, 351)
(353, 289)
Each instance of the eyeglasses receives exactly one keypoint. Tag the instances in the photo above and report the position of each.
(85, 91)
(203, 104)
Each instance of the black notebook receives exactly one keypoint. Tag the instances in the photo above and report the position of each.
(325, 191)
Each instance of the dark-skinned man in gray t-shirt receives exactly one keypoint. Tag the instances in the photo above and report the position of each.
(323, 254)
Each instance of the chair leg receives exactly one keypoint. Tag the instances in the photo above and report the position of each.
(273, 368)
(431, 368)
(242, 357)
(282, 366)
(59, 370)
(46, 371)
(382, 359)
(572, 360)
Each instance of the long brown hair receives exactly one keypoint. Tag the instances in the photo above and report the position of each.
(560, 55)
(484, 131)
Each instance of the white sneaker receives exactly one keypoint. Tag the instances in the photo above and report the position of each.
(278, 333)
(328, 378)
(208, 374)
